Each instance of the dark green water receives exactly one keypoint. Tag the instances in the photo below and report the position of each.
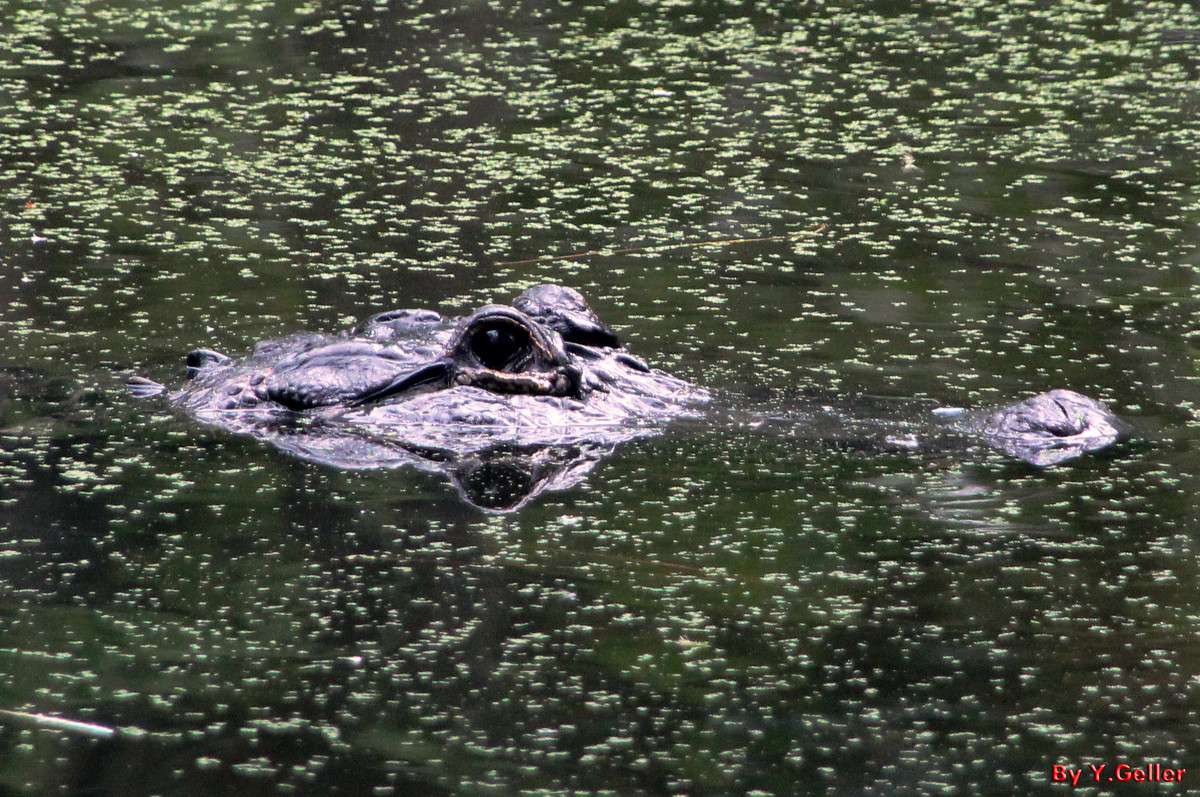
(1008, 194)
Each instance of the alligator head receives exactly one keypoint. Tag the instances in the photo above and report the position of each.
(496, 348)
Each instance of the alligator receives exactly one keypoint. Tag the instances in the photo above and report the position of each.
(511, 400)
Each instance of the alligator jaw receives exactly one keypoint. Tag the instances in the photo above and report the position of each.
(431, 377)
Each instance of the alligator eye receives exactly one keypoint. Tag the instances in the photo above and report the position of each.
(501, 345)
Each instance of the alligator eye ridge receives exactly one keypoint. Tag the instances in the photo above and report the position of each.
(501, 345)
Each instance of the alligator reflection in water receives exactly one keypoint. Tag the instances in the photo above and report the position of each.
(510, 401)
(494, 476)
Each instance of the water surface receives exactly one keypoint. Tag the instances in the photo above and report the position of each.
(964, 204)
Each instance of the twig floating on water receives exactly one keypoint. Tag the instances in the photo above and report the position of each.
(52, 723)
(661, 248)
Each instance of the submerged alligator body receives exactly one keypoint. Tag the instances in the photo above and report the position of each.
(512, 400)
